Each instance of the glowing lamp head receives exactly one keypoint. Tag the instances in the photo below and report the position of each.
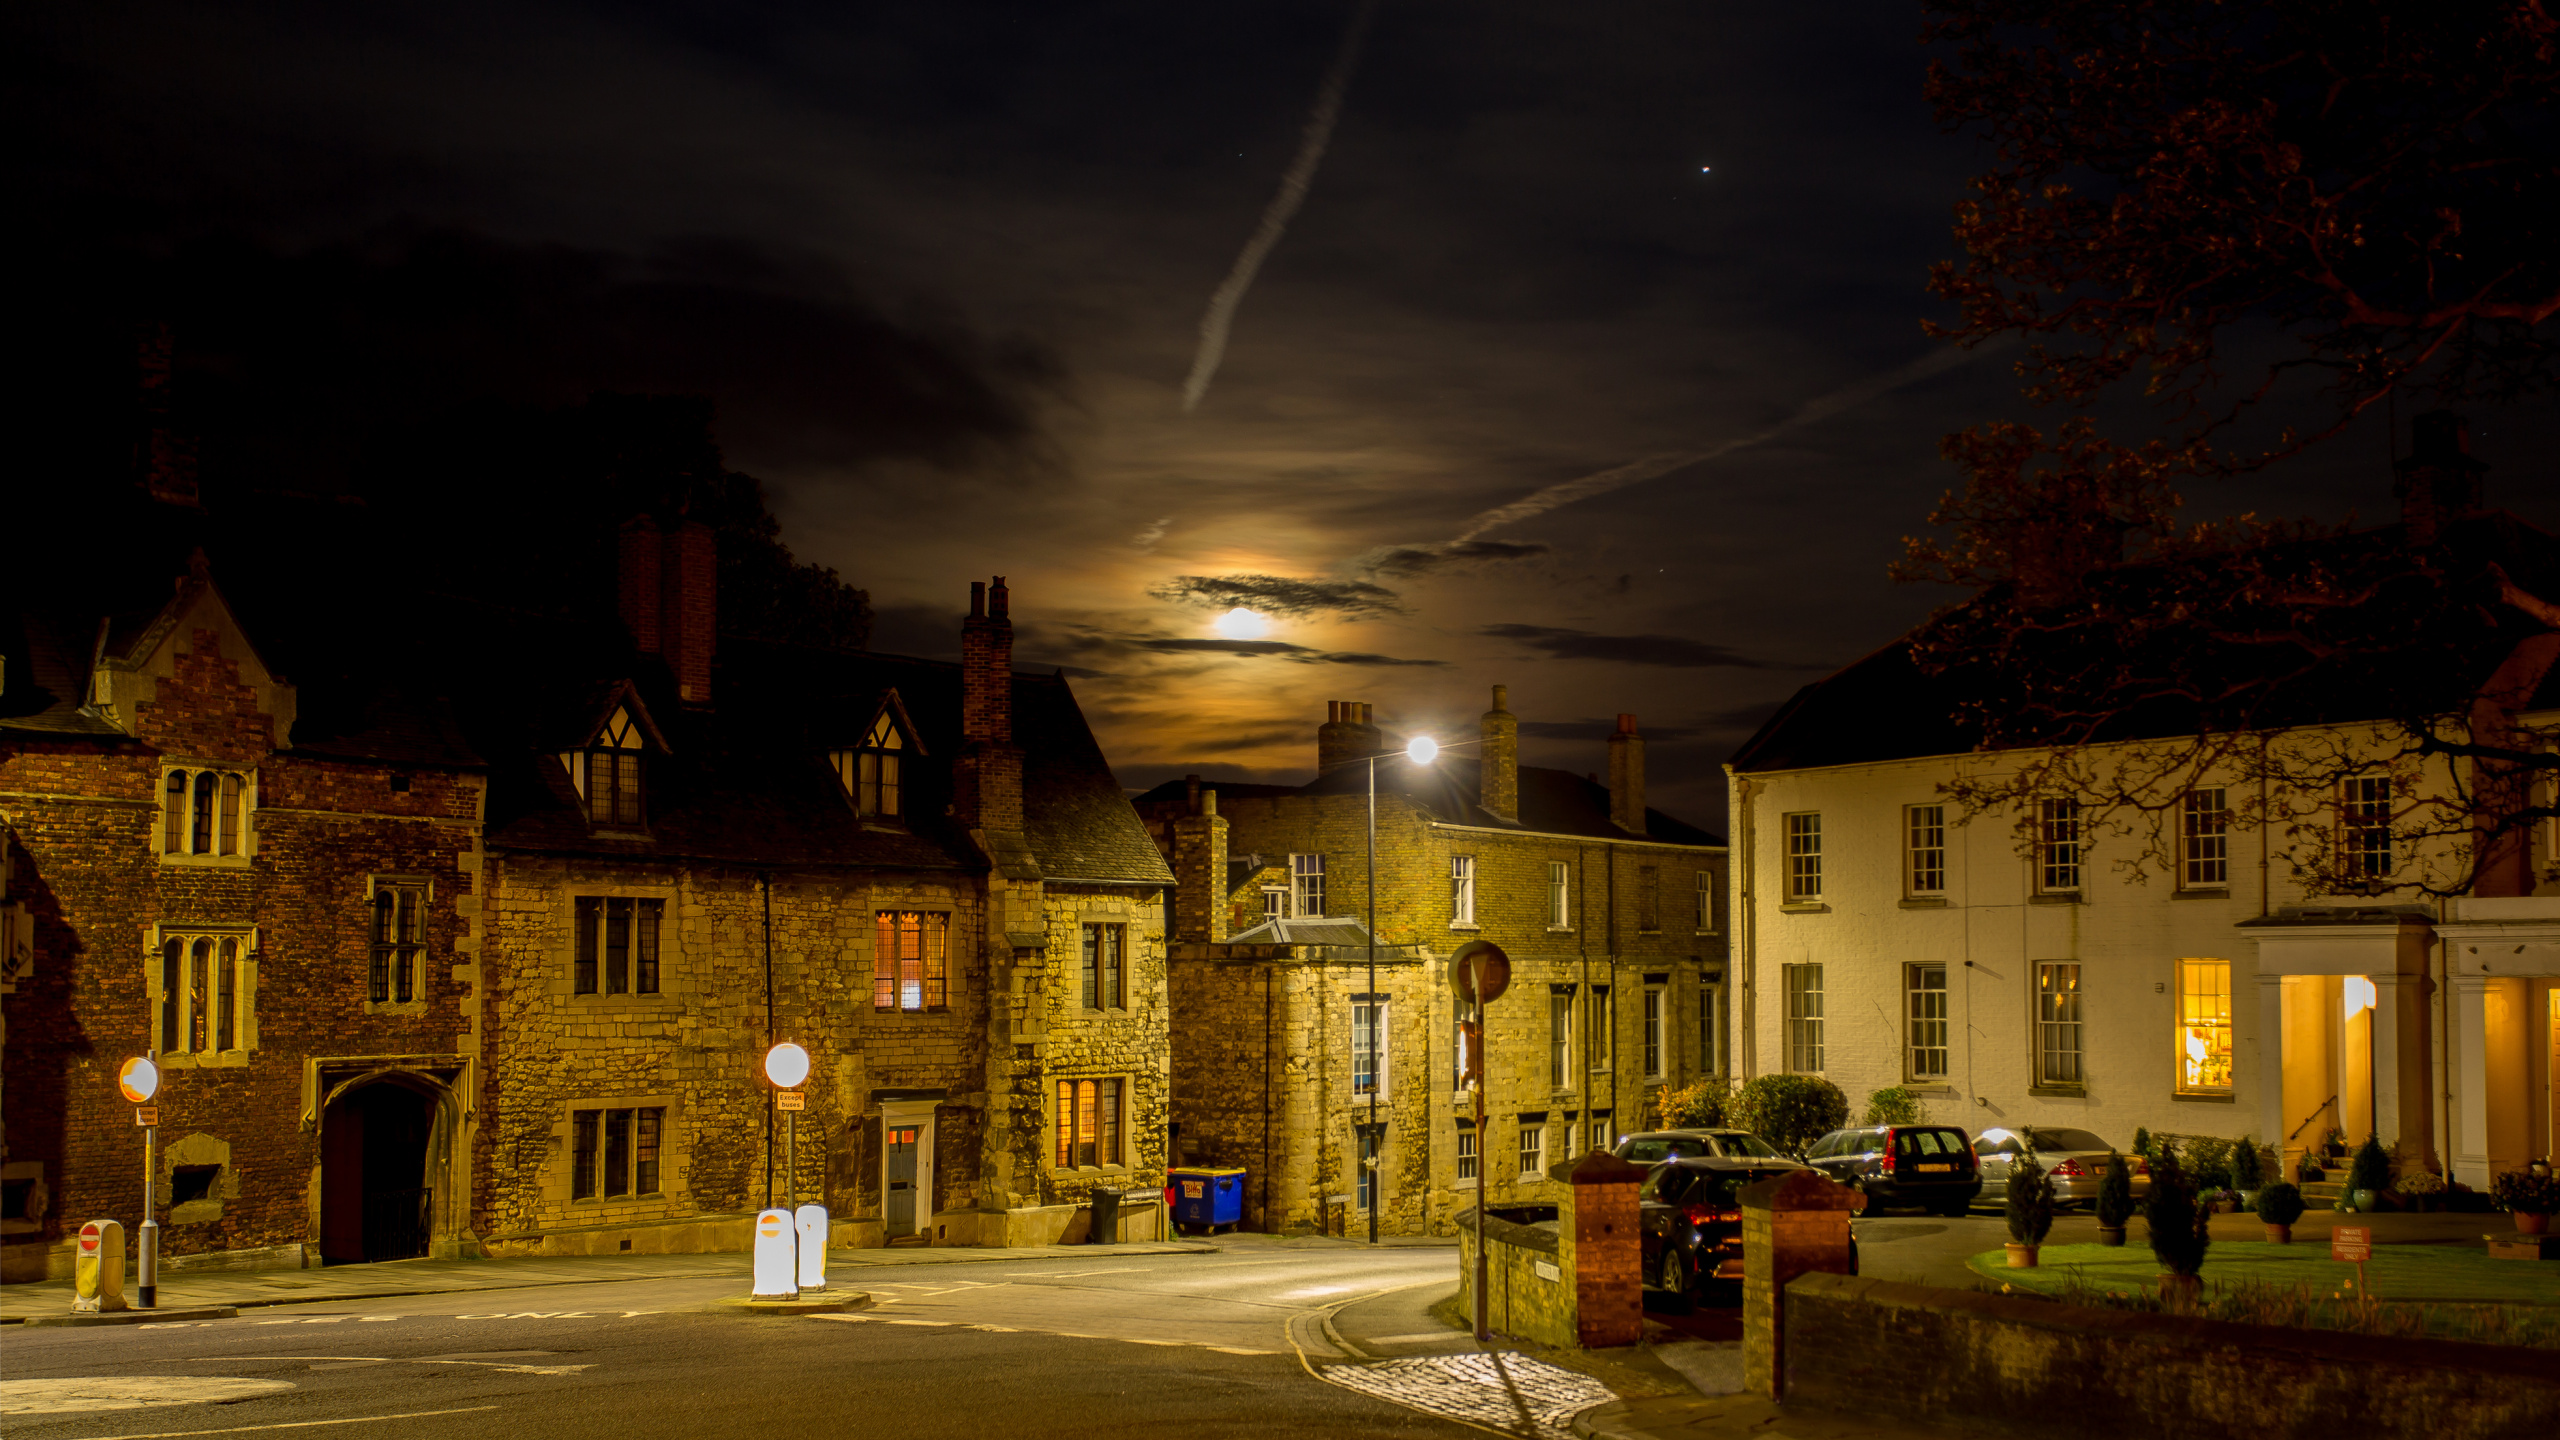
(1243, 624)
(1422, 750)
(786, 1065)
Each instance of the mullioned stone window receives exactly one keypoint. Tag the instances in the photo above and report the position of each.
(203, 989)
(207, 816)
(911, 960)
(617, 945)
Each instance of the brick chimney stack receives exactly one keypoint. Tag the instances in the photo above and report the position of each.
(1626, 777)
(1200, 869)
(1500, 767)
(669, 591)
(987, 775)
(2439, 483)
(167, 457)
(1346, 737)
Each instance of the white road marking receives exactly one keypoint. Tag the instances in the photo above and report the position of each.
(126, 1392)
(847, 1319)
(291, 1424)
(1071, 1274)
(1420, 1339)
(1021, 1330)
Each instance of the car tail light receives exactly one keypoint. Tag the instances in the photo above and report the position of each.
(2138, 1165)
(1698, 1214)
(2069, 1170)
(1730, 1217)
(1884, 1161)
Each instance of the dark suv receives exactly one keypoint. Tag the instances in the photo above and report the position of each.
(1690, 1219)
(1927, 1166)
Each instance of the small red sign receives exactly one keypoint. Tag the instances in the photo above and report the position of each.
(89, 1237)
(2352, 1243)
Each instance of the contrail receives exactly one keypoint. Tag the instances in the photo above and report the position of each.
(1275, 217)
(1653, 467)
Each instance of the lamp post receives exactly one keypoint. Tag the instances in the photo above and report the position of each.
(1421, 750)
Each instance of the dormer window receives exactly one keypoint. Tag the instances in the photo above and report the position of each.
(607, 772)
(870, 774)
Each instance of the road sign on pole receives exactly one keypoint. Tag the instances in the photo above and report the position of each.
(139, 1080)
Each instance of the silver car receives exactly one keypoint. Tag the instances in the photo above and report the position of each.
(1655, 1145)
(2075, 1159)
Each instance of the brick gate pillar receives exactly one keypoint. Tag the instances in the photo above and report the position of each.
(1608, 1251)
(1794, 1225)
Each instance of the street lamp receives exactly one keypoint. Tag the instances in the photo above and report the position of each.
(1421, 750)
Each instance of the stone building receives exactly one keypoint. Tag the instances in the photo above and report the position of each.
(494, 973)
(1879, 942)
(1281, 1043)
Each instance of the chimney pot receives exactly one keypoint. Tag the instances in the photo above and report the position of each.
(1626, 776)
(1498, 759)
(2440, 481)
(987, 775)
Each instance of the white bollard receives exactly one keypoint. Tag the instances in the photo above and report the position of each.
(97, 1276)
(774, 1263)
(812, 1221)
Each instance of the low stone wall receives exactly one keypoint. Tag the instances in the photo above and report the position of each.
(1977, 1360)
(1529, 1288)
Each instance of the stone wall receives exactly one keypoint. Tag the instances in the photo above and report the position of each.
(1972, 1359)
(1529, 1294)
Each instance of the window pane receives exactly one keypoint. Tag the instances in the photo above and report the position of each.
(1559, 900)
(1804, 855)
(583, 969)
(2060, 845)
(1462, 890)
(2058, 1024)
(600, 786)
(1927, 1009)
(1653, 1032)
(172, 992)
(910, 960)
(582, 1154)
(626, 800)
(1114, 971)
(205, 784)
(650, 913)
(884, 962)
(1108, 1151)
(173, 830)
(644, 1171)
(1092, 964)
(617, 1152)
(199, 963)
(1066, 1123)
(1928, 874)
(229, 839)
(937, 959)
(1466, 1152)
(1306, 885)
(385, 934)
(888, 785)
(226, 1000)
(1088, 1121)
(617, 946)
(1559, 1039)
(2207, 825)
(1706, 887)
(1804, 1018)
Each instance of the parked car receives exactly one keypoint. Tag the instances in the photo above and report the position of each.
(2075, 1159)
(1654, 1145)
(1931, 1167)
(1690, 1220)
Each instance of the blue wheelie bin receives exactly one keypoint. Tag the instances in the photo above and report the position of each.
(1211, 1197)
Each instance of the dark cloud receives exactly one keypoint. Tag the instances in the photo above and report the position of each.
(1404, 561)
(1743, 717)
(1599, 729)
(1302, 654)
(1674, 651)
(1280, 595)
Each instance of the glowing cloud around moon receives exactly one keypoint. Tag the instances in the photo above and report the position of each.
(1243, 624)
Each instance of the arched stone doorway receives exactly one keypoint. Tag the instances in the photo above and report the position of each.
(377, 1169)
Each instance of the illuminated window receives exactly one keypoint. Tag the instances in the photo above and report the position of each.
(2058, 846)
(1106, 976)
(1925, 867)
(2204, 1026)
(1462, 889)
(2365, 842)
(1804, 1018)
(1925, 1009)
(206, 812)
(1804, 855)
(2204, 839)
(1306, 886)
(617, 945)
(399, 941)
(614, 1153)
(2058, 1025)
(203, 993)
(1559, 899)
(1089, 1124)
(607, 774)
(910, 960)
(870, 774)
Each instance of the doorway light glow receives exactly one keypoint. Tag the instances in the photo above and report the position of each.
(2360, 994)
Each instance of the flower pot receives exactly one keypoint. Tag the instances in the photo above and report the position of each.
(2527, 1223)
(2249, 1201)
(2022, 1257)
(2279, 1234)
(2179, 1293)
(2111, 1235)
(2365, 1201)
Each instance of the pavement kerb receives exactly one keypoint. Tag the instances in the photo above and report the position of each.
(133, 1317)
(464, 1282)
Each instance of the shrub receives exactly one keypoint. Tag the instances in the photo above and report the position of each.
(2279, 1204)
(2525, 1193)
(1789, 1111)
(2142, 1142)
(2030, 1201)
(1892, 1105)
(2419, 1182)
(2115, 1194)
(2177, 1223)
(2371, 1169)
(1698, 1105)
(2209, 1163)
(2247, 1170)
(2309, 1172)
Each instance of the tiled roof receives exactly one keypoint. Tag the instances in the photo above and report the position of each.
(1328, 930)
(1552, 802)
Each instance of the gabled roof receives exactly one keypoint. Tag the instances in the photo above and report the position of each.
(1313, 930)
(1552, 802)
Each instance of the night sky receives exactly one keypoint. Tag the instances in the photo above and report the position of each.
(942, 267)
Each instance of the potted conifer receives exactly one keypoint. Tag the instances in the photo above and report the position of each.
(2279, 1205)
(2247, 1172)
(2115, 1200)
(2178, 1235)
(2369, 1176)
(2030, 1210)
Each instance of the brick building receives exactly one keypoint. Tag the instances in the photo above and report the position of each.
(494, 973)
(1607, 908)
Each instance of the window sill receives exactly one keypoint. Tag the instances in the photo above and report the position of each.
(1097, 1171)
(657, 1197)
(395, 1007)
(2203, 892)
(2080, 1092)
(2056, 897)
(601, 833)
(203, 1060)
(927, 1010)
(1804, 907)
(1469, 1183)
(1468, 925)
(627, 997)
(1930, 1089)
(1924, 902)
(1559, 929)
(1706, 932)
(209, 862)
(2226, 1098)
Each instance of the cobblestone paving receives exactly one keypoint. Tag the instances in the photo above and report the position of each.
(1507, 1392)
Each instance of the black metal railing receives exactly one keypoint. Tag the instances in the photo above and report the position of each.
(395, 1224)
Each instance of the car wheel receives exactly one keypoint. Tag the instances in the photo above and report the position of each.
(1675, 1276)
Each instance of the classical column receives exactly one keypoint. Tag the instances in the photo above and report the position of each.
(2272, 1123)
(2388, 1042)
(2471, 1080)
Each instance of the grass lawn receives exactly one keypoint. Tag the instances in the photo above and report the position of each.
(2414, 1273)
